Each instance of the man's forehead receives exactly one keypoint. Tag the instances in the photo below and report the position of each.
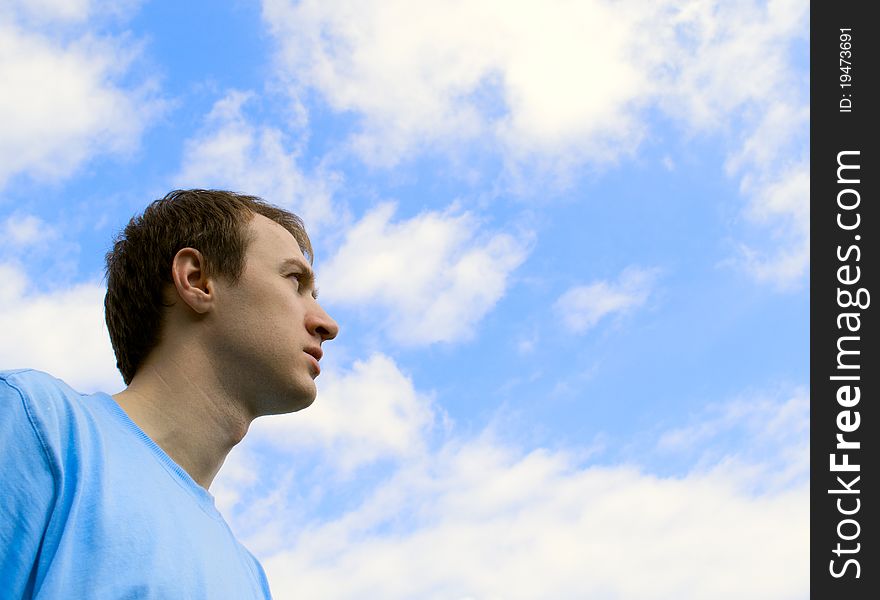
(271, 241)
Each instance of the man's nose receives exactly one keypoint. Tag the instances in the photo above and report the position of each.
(322, 325)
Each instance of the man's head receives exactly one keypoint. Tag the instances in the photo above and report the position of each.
(235, 265)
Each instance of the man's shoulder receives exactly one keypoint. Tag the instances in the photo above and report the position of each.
(53, 408)
(33, 385)
(30, 377)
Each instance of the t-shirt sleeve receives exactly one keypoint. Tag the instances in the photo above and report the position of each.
(27, 489)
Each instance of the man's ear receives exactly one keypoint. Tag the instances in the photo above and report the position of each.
(190, 280)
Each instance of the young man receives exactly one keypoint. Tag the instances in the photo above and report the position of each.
(212, 313)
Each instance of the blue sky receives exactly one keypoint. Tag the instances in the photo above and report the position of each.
(567, 245)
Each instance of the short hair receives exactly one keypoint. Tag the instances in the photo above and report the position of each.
(138, 267)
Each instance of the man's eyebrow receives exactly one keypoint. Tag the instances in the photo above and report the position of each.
(301, 264)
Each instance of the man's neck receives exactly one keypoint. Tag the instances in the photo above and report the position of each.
(193, 421)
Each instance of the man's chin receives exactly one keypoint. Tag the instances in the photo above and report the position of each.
(305, 403)
(294, 400)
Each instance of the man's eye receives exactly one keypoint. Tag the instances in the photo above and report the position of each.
(301, 279)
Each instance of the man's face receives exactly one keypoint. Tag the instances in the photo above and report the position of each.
(267, 328)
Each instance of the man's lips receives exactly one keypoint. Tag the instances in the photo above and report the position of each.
(316, 353)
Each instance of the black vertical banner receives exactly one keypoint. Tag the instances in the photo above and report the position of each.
(844, 367)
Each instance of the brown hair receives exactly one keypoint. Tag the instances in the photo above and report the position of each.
(139, 265)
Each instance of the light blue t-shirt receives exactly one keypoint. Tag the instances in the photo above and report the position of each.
(91, 507)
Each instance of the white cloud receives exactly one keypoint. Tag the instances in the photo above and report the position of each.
(735, 70)
(366, 417)
(48, 10)
(61, 332)
(558, 84)
(435, 275)
(765, 418)
(61, 102)
(777, 428)
(722, 55)
(65, 11)
(234, 153)
(483, 519)
(533, 527)
(368, 413)
(22, 230)
(544, 77)
(776, 178)
(423, 73)
(582, 307)
(783, 203)
(239, 473)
